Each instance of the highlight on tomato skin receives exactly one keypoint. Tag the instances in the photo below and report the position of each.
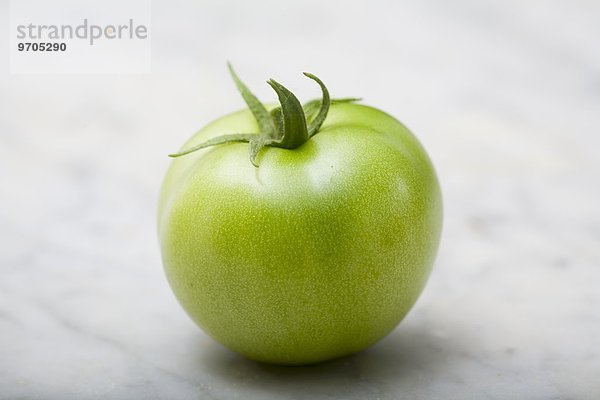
(299, 233)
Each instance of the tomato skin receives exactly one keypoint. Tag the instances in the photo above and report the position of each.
(317, 253)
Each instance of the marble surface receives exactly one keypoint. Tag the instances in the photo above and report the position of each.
(504, 95)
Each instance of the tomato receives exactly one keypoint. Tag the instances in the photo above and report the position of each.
(314, 248)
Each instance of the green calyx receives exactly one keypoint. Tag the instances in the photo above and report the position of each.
(288, 126)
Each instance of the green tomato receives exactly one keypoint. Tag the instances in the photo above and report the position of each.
(318, 252)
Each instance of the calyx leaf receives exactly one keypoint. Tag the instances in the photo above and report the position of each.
(288, 126)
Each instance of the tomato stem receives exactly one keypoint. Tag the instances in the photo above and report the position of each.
(266, 124)
(316, 123)
(288, 126)
(292, 121)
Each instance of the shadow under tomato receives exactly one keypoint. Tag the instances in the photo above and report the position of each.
(409, 358)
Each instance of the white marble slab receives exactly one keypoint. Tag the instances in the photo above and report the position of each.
(504, 95)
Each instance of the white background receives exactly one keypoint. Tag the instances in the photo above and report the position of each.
(504, 95)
